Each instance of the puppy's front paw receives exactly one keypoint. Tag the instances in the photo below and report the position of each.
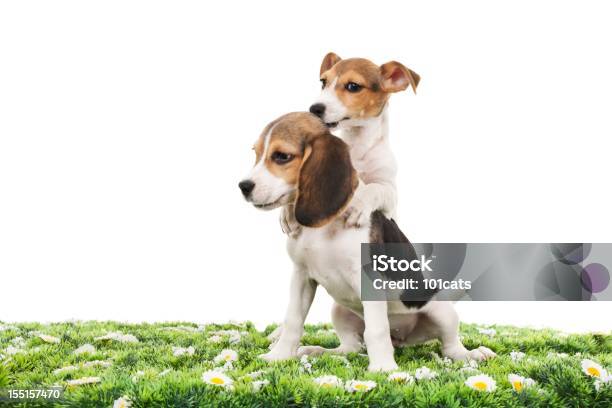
(357, 214)
(384, 366)
(310, 351)
(481, 353)
(478, 354)
(274, 355)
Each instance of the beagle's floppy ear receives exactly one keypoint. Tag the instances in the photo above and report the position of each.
(327, 181)
(397, 77)
(329, 61)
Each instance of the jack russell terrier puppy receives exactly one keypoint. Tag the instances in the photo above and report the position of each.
(353, 99)
(300, 164)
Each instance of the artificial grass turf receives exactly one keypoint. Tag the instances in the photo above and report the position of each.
(135, 369)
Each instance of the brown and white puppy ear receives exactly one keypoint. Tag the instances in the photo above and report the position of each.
(397, 77)
(329, 61)
(327, 181)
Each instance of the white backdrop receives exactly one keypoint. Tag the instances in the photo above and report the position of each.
(125, 127)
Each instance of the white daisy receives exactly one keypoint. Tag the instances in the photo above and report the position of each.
(10, 350)
(255, 374)
(66, 369)
(118, 336)
(85, 349)
(165, 372)
(488, 332)
(593, 369)
(123, 402)
(48, 339)
(18, 342)
(401, 377)
(215, 377)
(138, 375)
(97, 363)
(306, 364)
(424, 373)
(258, 385)
(179, 351)
(342, 359)
(517, 356)
(188, 329)
(604, 381)
(470, 364)
(239, 323)
(227, 355)
(83, 381)
(481, 382)
(519, 383)
(328, 381)
(359, 386)
(234, 336)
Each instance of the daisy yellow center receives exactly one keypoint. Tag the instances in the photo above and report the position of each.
(594, 372)
(326, 385)
(361, 387)
(228, 357)
(217, 381)
(480, 385)
(517, 385)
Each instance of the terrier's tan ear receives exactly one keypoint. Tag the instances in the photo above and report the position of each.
(327, 181)
(329, 61)
(397, 77)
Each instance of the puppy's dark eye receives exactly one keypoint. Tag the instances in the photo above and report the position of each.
(323, 83)
(353, 87)
(281, 158)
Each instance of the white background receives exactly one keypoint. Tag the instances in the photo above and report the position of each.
(125, 127)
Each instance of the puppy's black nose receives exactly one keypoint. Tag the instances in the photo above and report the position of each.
(246, 186)
(318, 109)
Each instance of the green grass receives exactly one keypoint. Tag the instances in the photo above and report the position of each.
(560, 380)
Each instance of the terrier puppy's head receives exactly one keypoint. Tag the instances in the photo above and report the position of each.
(356, 89)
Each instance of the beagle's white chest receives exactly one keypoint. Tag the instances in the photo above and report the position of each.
(331, 256)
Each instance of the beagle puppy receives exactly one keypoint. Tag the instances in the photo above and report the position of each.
(300, 164)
